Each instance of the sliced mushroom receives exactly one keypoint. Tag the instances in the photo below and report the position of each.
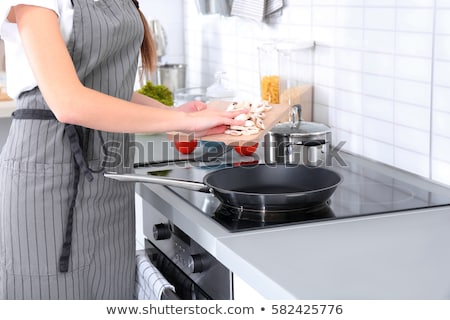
(253, 118)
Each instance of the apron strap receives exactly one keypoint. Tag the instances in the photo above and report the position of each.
(77, 152)
(67, 245)
(29, 114)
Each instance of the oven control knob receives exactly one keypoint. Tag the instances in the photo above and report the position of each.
(161, 231)
(196, 264)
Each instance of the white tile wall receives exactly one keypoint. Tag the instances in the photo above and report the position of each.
(381, 71)
(440, 135)
(171, 19)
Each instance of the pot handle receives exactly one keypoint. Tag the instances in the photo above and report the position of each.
(170, 182)
(295, 115)
(310, 143)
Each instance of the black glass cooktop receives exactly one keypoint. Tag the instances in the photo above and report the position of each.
(363, 192)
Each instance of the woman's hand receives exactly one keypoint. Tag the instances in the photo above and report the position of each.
(211, 121)
(208, 121)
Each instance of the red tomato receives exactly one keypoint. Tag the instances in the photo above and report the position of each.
(246, 150)
(185, 147)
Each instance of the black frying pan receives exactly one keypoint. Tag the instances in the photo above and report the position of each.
(258, 187)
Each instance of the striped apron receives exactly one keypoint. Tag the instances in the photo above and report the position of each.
(66, 232)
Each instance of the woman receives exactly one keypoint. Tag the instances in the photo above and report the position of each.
(66, 232)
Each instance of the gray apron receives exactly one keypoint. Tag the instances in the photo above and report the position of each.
(66, 232)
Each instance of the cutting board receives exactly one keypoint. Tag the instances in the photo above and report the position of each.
(273, 116)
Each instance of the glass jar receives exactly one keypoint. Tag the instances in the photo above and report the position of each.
(285, 70)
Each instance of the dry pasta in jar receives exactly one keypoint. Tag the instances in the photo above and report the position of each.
(270, 89)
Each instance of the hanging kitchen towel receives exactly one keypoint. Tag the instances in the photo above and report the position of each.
(150, 283)
(251, 9)
(272, 6)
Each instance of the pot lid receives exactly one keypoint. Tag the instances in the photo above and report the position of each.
(300, 128)
(297, 127)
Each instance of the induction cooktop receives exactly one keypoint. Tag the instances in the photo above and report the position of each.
(363, 192)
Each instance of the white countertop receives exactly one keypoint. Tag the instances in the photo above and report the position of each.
(401, 256)
(392, 256)
(6, 108)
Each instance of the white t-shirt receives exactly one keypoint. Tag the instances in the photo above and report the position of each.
(19, 75)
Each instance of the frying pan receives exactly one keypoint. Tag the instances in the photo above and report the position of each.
(257, 187)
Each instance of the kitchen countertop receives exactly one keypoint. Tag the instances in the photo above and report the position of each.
(391, 256)
(401, 256)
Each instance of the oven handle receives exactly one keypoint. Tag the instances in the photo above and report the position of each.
(170, 182)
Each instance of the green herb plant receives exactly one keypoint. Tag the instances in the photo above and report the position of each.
(157, 92)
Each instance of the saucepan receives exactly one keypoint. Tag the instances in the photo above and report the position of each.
(257, 187)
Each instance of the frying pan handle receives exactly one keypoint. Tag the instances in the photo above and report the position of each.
(170, 182)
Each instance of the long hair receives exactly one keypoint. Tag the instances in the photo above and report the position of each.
(148, 46)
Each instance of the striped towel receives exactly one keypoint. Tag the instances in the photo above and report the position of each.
(273, 6)
(251, 9)
(150, 283)
(255, 9)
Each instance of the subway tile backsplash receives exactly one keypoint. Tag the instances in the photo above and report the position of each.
(381, 71)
